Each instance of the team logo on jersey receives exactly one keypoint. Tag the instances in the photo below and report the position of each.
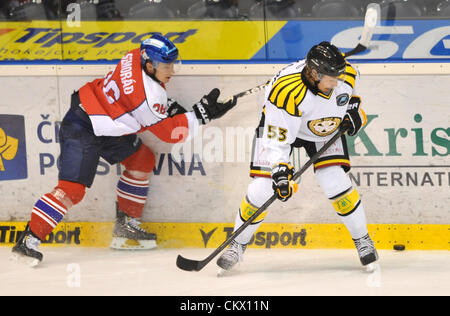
(342, 99)
(325, 126)
(13, 155)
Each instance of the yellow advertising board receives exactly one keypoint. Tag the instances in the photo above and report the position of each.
(270, 235)
(97, 41)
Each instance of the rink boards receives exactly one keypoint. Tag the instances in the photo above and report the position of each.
(400, 165)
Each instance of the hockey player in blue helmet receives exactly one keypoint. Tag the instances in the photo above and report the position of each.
(105, 119)
(160, 58)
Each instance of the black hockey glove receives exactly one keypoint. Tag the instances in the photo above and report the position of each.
(209, 109)
(282, 184)
(174, 108)
(355, 118)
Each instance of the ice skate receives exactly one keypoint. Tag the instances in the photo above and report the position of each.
(26, 249)
(366, 250)
(128, 235)
(232, 256)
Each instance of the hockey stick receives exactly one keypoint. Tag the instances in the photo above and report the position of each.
(249, 91)
(246, 92)
(195, 265)
(371, 20)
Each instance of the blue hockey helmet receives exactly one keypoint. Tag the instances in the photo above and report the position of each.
(158, 49)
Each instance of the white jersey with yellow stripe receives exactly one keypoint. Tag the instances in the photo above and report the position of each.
(295, 109)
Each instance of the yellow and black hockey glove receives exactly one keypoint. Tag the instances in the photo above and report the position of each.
(355, 118)
(282, 182)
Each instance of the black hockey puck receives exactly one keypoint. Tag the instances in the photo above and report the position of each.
(399, 247)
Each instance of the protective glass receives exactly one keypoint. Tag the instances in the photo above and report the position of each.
(332, 82)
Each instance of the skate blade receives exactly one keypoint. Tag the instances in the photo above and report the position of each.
(372, 267)
(120, 243)
(24, 260)
(221, 273)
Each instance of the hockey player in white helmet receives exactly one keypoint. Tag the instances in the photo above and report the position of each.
(305, 105)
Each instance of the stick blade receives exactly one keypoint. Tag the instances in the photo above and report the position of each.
(188, 264)
(358, 49)
(371, 20)
(372, 17)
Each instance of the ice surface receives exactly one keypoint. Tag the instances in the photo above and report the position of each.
(93, 271)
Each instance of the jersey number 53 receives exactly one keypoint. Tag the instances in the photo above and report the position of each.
(276, 132)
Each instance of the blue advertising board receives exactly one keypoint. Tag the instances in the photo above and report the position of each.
(392, 41)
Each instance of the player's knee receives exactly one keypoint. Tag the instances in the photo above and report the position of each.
(333, 180)
(259, 191)
(69, 193)
(141, 161)
(247, 210)
(337, 186)
(347, 202)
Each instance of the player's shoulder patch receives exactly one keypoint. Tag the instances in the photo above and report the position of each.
(350, 75)
(288, 92)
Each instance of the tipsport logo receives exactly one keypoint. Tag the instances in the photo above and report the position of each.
(13, 154)
(266, 239)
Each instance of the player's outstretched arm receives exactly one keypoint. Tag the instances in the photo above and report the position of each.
(176, 128)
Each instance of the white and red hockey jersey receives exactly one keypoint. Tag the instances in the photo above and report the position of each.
(128, 101)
